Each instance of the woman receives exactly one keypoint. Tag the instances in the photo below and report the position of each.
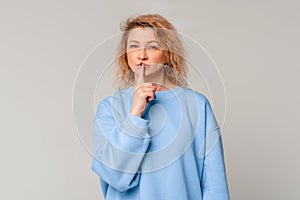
(156, 138)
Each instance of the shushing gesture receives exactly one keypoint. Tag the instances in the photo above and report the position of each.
(143, 94)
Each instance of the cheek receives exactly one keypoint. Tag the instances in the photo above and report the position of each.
(130, 58)
(158, 57)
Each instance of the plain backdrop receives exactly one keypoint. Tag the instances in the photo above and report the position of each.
(255, 45)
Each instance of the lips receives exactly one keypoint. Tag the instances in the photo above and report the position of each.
(141, 63)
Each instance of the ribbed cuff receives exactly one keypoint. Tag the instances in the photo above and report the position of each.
(135, 126)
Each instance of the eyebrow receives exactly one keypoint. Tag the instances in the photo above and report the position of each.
(147, 41)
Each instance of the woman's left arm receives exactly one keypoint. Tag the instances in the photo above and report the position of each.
(213, 182)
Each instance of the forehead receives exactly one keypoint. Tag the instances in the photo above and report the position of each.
(141, 34)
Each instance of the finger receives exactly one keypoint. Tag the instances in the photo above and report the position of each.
(154, 86)
(144, 86)
(147, 89)
(149, 96)
(141, 75)
(153, 90)
(146, 94)
(148, 99)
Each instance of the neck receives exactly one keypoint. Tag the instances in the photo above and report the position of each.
(162, 82)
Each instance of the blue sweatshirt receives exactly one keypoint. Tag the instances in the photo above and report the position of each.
(173, 151)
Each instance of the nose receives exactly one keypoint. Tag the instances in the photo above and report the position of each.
(142, 55)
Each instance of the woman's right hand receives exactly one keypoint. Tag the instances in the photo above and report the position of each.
(143, 94)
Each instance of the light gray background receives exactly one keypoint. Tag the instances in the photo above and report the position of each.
(254, 43)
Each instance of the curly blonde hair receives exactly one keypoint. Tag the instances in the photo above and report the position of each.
(166, 34)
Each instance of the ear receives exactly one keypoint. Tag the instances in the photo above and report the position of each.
(166, 57)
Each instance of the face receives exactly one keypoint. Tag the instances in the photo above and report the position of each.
(143, 48)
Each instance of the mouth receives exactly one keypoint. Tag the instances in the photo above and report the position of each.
(142, 64)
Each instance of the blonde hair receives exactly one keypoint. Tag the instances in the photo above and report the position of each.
(166, 34)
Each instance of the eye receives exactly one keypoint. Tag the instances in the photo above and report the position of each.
(133, 46)
(152, 47)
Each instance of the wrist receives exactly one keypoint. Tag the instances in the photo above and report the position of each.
(135, 113)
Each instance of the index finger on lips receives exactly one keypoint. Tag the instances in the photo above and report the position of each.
(141, 75)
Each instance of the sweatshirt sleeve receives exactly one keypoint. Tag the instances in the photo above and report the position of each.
(214, 181)
(118, 148)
